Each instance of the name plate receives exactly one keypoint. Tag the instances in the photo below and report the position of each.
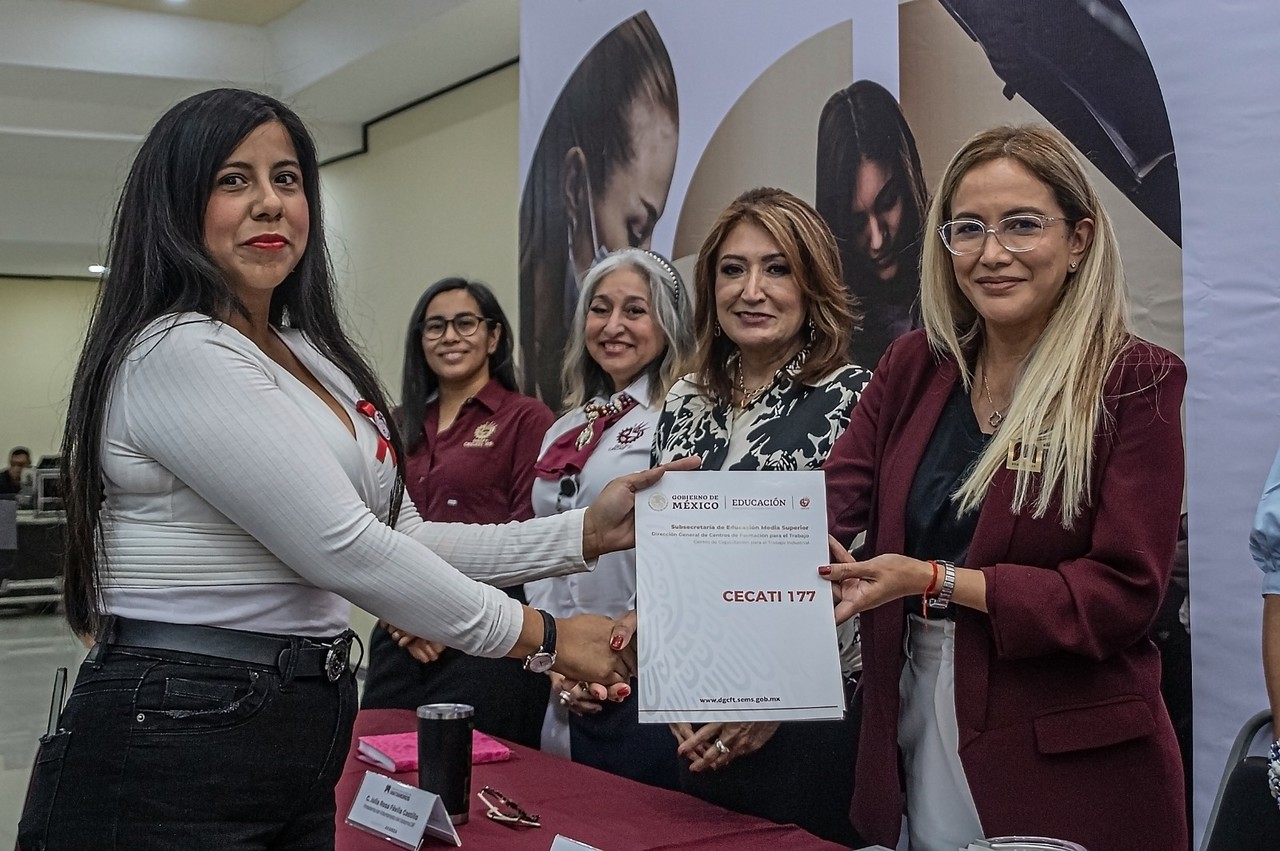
(564, 843)
(400, 813)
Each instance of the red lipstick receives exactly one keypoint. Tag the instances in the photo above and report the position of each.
(269, 241)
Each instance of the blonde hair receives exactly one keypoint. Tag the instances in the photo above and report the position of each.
(1058, 398)
(811, 252)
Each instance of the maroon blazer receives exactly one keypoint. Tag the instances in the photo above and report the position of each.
(1063, 731)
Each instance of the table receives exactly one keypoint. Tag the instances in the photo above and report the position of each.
(609, 812)
(31, 571)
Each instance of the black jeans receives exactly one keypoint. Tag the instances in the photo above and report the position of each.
(166, 750)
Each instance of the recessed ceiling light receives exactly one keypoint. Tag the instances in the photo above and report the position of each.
(97, 269)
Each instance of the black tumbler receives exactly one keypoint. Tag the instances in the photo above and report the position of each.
(444, 755)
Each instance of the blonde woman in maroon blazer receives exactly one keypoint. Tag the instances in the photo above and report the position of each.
(1017, 466)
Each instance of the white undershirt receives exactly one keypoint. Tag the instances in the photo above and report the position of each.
(624, 447)
(235, 497)
(610, 589)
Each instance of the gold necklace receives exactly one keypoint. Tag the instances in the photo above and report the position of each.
(749, 399)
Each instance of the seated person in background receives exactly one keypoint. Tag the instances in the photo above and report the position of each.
(19, 460)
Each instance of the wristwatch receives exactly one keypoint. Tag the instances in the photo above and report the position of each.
(541, 660)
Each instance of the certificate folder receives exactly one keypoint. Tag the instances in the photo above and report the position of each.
(735, 624)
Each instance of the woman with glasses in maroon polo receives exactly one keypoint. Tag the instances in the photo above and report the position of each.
(471, 440)
(1017, 467)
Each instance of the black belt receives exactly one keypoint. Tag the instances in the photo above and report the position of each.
(304, 657)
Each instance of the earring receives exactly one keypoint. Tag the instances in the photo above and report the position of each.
(1073, 266)
(716, 332)
(813, 330)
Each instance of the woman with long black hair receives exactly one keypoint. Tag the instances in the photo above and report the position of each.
(598, 182)
(231, 482)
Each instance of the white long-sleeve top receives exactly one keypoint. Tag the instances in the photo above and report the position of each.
(235, 497)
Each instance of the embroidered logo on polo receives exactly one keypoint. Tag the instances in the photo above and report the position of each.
(483, 435)
(628, 436)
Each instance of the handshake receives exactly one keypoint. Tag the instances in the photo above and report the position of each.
(595, 659)
(583, 695)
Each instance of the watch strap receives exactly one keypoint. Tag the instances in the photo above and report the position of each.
(541, 660)
(942, 598)
(548, 633)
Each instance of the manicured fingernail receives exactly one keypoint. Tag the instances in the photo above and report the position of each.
(616, 642)
(824, 570)
(624, 691)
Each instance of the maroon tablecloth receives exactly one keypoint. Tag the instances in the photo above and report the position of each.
(611, 813)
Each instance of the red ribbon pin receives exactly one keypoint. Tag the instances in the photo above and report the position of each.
(375, 416)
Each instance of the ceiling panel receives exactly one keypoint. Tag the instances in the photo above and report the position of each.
(83, 81)
(252, 12)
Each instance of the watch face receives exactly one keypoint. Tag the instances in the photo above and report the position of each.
(540, 663)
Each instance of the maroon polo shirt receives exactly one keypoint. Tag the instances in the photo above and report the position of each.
(479, 469)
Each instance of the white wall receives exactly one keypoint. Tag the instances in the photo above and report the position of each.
(42, 325)
(437, 195)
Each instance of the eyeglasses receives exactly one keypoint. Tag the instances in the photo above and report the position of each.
(506, 811)
(1015, 233)
(464, 323)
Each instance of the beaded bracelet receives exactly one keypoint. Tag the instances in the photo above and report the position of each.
(1273, 771)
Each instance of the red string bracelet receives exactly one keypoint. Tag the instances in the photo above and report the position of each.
(933, 583)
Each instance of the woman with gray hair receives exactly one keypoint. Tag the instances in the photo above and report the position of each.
(632, 334)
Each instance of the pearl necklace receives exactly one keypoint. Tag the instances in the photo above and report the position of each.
(594, 412)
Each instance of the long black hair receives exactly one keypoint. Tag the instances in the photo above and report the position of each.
(157, 264)
(864, 123)
(419, 382)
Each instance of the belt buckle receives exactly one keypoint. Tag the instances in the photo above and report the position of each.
(336, 660)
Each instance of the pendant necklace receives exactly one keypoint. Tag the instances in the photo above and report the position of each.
(996, 416)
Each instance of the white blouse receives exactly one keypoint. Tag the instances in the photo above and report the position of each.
(624, 448)
(236, 498)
